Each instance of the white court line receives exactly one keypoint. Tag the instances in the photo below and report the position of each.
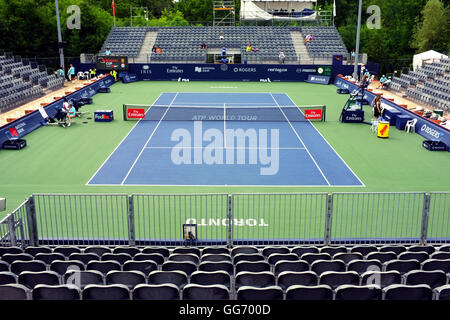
(148, 140)
(235, 148)
(339, 156)
(300, 139)
(120, 143)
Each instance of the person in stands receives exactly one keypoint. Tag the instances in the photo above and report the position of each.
(308, 38)
(108, 52)
(154, 49)
(203, 46)
(282, 57)
(221, 37)
(158, 49)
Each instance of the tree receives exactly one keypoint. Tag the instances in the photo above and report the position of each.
(432, 33)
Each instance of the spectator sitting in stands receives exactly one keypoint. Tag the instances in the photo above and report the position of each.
(282, 57)
(224, 51)
(158, 49)
(154, 49)
(309, 38)
(108, 52)
(382, 81)
(221, 37)
(249, 48)
(203, 46)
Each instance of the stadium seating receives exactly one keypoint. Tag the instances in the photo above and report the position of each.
(100, 272)
(182, 44)
(429, 85)
(20, 82)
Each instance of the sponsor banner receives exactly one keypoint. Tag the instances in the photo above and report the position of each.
(313, 114)
(136, 113)
(30, 122)
(226, 72)
(318, 79)
(426, 128)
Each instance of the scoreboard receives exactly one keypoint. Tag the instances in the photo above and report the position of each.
(118, 63)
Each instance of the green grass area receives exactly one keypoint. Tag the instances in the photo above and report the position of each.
(62, 160)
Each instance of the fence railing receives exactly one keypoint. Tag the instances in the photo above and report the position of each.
(223, 219)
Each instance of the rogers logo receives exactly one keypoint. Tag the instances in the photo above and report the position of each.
(432, 132)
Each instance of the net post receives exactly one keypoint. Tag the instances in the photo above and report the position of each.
(230, 221)
(425, 216)
(328, 216)
(324, 113)
(131, 226)
(31, 221)
(124, 112)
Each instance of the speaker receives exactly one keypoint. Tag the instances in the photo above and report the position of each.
(16, 144)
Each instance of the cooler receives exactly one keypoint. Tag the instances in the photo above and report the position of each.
(383, 130)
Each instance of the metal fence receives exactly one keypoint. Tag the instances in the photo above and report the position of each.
(223, 219)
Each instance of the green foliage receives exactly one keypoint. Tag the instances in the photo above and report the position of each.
(432, 32)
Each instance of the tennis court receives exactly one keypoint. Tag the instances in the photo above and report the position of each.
(224, 139)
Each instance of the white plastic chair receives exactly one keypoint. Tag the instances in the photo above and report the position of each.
(411, 126)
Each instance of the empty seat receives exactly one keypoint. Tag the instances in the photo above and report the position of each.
(61, 267)
(381, 279)
(419, 256)
(443, 292)
(216, 266)
(119, 257)
(247, 257)
(276, 257)
(109, 292)
(4, 266)
(162, 251)
(402, 266)
(362, 266)
(165, 291)
(31, 279)
(183, 250)
(67, 250)
(252, 266)
(58, 292)
(83, 278)
(254, 293)
(351, 292)
(382, 256)
(181, 257)
(178, 278)
(254, 279)
(321, 266)
(364, 250)
(244, 250)
(441, 255)
(104, 266)
(405, 292)
(432, 264)
(216, 257)
(186, 266)
(10, 250)
(392, 248)
(336, 279)
(132, 251)
(48, 258)
(128, 278)
(432, 278)
(301, 250)
(7, 277)
(143, 266)
(11, 257)
(288, 278)
(14, 292)
(98, 250)
(35, 250)
(84, 257)
(156, 257)
(311, 257)
(267, 251)
(348, 257)
(321, 292)
(333, 250)
(215, 250)
(419, 248)
(211, 278)
(205, 292)
(19, 266)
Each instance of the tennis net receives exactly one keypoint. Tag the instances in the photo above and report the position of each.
(224, 113)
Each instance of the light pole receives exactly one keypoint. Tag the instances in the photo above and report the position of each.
(60, 43)
(358, 32)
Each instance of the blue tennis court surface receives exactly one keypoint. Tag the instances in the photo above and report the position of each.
(219, 153)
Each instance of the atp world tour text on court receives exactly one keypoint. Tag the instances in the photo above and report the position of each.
(221, 148)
